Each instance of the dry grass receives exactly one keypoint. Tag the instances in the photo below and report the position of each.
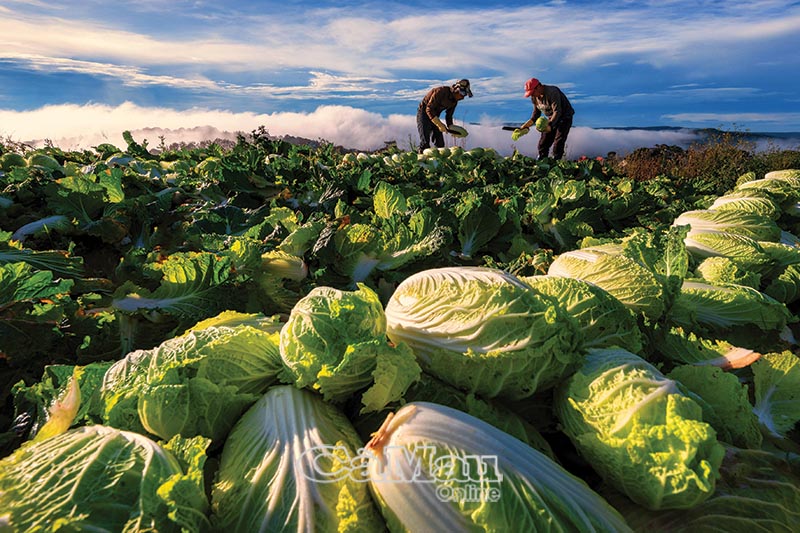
(720, 159)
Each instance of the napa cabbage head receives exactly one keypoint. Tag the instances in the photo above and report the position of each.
(290, 464)
(484, 330)
(435, 468)
(639, 430)
(776, 382)
(753, 225)
(334, 342)
(721, 270)
(195, 384)
(791, 173)
(749, 201)
(744, 251)
(785, 286)
(758, 490)
(725, 402)
(707, 307)
(783, 253)
(97, 478)
(780, 187)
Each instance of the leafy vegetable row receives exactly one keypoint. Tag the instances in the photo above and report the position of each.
(105, 251)
(454, 341)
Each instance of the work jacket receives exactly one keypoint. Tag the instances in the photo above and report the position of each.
(553, 104)
(437, 100)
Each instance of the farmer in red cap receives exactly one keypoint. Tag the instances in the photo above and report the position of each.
(552, 115)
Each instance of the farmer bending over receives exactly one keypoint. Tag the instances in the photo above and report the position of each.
(438, 99)
(552, 104)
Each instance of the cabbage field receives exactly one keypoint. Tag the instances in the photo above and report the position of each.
(281, 337)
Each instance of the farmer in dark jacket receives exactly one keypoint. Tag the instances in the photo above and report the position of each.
(548, 100)
(438, 99)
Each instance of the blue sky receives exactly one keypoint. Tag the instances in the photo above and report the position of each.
(353, 72)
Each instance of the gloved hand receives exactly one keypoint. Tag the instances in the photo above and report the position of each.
(439, 124)
(519, 132)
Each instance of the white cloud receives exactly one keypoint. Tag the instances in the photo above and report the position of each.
(346, 126)
(511, 41)
(66, 38)
(132, 76)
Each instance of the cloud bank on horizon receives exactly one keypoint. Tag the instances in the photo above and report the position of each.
(83, 127)
(352, 72)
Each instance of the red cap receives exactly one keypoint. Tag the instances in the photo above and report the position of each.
(530, 85)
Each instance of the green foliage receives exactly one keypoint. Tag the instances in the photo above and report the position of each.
(171, 287)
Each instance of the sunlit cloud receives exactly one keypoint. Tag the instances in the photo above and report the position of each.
(68, 38)
(272, 57)
(377, 42)
(132, 76)
(345, 126)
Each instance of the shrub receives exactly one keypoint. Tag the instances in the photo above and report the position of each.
(719, 160)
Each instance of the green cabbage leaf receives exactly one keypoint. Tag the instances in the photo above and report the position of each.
(603, 320)
(716, 308)
(776, 379)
